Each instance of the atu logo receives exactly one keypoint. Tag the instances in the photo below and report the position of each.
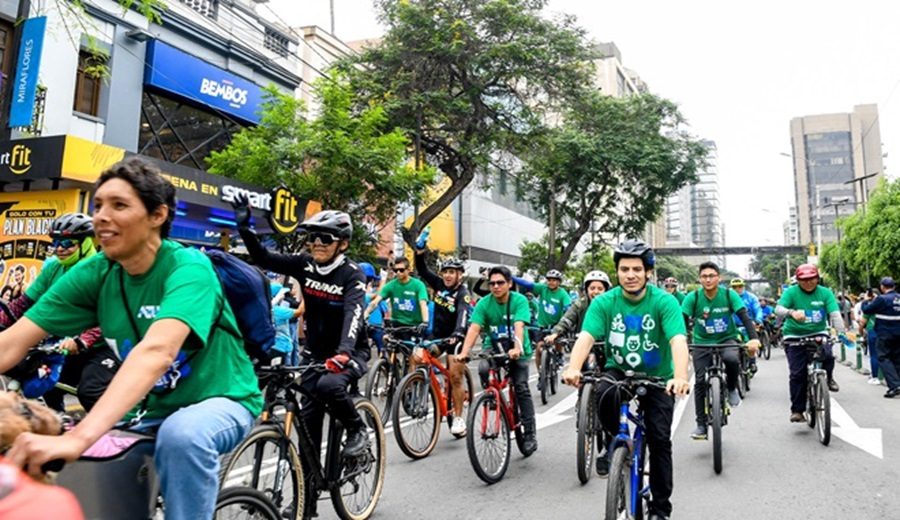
(18, 160)
(284, 217)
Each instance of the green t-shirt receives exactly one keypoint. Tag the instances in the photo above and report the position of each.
(680, 296)
(713, 319)
(870, 322)
(637, 334)
(180, 285)
(551, 304)
(404, 300)
(51, 271)
(495, 319)
(817, 305)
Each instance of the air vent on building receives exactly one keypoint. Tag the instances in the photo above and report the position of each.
(276, 42)
(208, 8)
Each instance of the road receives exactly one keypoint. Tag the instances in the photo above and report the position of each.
(772, 468)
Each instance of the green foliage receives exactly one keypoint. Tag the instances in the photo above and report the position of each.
(610, 154)
(676, 267)
(774, 269)
(533, 260)
(469, 80)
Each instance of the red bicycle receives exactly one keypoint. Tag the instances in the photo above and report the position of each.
(492, 417)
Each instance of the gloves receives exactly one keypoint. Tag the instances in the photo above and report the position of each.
(421, 329)
(337, 363)
(241, 207)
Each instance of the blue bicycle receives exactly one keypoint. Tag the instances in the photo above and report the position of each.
(628, 488)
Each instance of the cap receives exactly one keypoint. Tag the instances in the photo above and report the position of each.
(887, 281)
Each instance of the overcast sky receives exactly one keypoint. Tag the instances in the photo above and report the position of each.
(739, 72)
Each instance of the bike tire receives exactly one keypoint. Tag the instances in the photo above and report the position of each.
(381, 386)
(470, 392)
(348, 502)
(544, 376)
(249, 503)
(488, 442)
(554, 374)
(767, 346)
(291, 498)
(810, 402)
(416, 424)
(618, 487)
(823, 409)
(717, 401)
(519, 430)
(586, 434)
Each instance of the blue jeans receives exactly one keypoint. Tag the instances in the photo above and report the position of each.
(872, 341)
(188, 445)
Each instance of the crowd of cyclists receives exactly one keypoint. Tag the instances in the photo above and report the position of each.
(153, 340)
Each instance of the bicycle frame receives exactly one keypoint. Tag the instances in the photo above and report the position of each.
(496, 386)
(429, 364)
(635, 443)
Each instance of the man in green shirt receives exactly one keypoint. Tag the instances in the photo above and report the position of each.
(671, 286)
(644, 332)
(407, 298)
(552, 302)
(503, 316)
(712, 312)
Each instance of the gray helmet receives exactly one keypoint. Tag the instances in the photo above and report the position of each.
(596, 276)
(337, 223)
(72, 225)
(633, 248)
(453, 263)
(553, 273)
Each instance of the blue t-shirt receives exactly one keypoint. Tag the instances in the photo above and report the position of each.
(376, 319)
(281, 317)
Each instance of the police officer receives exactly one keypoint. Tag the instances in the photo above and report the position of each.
(886, 309)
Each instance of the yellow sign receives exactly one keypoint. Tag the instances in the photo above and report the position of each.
(25, 219)
(85, 160)
(284, 217)
(20, 159)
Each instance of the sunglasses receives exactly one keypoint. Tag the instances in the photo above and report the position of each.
(326, 239)
(497, 283)
(64, 243)
(399, 269)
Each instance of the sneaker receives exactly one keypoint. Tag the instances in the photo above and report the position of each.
(873, 381)
(892, 393)
(459, 426)
(530, 445)
(602, 466)
(658, 516)
(699, 433)
(753, 367)
(833, 386)
(539, 385)
(734, 398)
(797, 417)
(356, 443)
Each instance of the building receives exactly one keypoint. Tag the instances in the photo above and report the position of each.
(829, 152)
(792, 228)
(612, 78)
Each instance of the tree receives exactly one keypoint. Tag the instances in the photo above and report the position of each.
(773, 268)
(347, 159)
(677, 268)
(613, 161)
(533, 260)
(469, 80)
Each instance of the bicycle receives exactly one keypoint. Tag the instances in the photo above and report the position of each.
(280, 458)
(551, 360)
(587, 425)
(818, 397)
(745, 372)
(385, 374)
(492, 417)
(765, 341)
(35, 361)
(628, 489)
(424, 398)
(716, 403)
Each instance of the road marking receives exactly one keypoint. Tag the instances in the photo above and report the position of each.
(680, 405)
(866, 439)
(558, 413)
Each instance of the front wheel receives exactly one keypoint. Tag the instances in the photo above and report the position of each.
(584, 448)
(618, 488)
(554, 371)
(416, 417)
(544, 376)
(362, 478)
(488, 441)
(244, 503)
(823, 409)
(716, 399)
(380, 386)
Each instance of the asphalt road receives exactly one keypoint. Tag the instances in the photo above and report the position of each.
(772, 468)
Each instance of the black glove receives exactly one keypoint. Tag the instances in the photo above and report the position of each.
(421, 329)
(241, 207)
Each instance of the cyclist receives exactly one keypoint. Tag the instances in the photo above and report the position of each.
(644, 332)
(375, 321)
(162, 310)
(806, 307)
(451, 314)
(503, 316)
(333, 290)
(407, 298)
(712, 310)
(671, 285)
(90, 364)
(751, 302)
(553, 300)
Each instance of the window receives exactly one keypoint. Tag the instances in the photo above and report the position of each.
(276, 42)
(208, 8)
(87, 83)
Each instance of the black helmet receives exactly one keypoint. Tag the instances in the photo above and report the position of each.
(337, 223)
(72, 225)
(633, 248)
(453, 263)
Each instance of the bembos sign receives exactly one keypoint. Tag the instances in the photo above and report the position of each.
(176, 72)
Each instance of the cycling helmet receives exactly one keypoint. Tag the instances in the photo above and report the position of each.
(596, 276)
(670, 281)
(72, 225)
(337, 223)
(553, 273)
(453, 263)
(633, 248)
(807, 272)
(369, 270)
(737, 282)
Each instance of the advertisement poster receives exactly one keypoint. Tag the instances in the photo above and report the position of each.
(25, 220)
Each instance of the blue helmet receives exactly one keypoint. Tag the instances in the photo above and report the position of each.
(369, 270)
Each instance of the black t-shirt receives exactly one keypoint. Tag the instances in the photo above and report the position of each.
(451, 306)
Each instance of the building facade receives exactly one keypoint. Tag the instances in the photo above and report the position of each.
(792, 228)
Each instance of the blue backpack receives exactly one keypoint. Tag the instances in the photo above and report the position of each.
(247, 290)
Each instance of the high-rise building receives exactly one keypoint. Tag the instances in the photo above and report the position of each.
(829, 152)
(792, 228)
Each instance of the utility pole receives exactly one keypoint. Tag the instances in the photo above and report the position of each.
(331, 8)
(551, 256)
(864, 192)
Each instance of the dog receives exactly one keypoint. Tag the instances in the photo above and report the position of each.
(20, 415)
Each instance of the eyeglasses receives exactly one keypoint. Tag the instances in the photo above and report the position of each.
(326, 239)
(497, 283)
(399, 269)
(64, 243)
(708, 276)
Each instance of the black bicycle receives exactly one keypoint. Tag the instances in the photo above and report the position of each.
(385, 374)
(551, 361)
(716, 404)
(818, 397)
(589, 434)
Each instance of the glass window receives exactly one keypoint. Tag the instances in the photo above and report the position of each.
(88, 83)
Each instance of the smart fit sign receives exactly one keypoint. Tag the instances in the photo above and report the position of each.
(286, 211)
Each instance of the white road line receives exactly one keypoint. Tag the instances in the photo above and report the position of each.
(680, 405)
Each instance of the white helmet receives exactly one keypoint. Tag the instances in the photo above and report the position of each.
(596, 276)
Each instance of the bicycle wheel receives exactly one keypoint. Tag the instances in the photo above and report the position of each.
(766, 340)
(268, 462)
(488, 442)
(244, 503)
(545, 376)
(716, 400)
(416, 418)
(584, 448)
(810, 400)
(470, 393)
(519, 430)
(362, 478)
(823, 409)
(380, 387)
(618, 487)
(554, 373)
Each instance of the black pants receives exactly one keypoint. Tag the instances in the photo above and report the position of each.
(518, 374)
(889, 360)
(798, 358)
(328, 391)
(91, 372)
(702, 361)
(658, 408)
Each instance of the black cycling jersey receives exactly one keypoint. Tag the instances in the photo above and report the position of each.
(451, 306)
(334, 301)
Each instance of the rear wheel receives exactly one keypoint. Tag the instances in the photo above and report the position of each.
(554, 371)
(416, 418)
(811, 402)
(380, 387)
(823, 409)
(544, 376)
(469, 387)
(584, 448)
(488, 441)
(244, 503)
(715, 416)
(362, 478)
(618, 488)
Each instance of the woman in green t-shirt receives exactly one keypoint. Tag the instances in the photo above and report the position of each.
(162, 311)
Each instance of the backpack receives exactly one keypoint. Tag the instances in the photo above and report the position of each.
(247, 291)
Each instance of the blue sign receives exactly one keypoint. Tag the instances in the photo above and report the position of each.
(186, 76)
(24, 83)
